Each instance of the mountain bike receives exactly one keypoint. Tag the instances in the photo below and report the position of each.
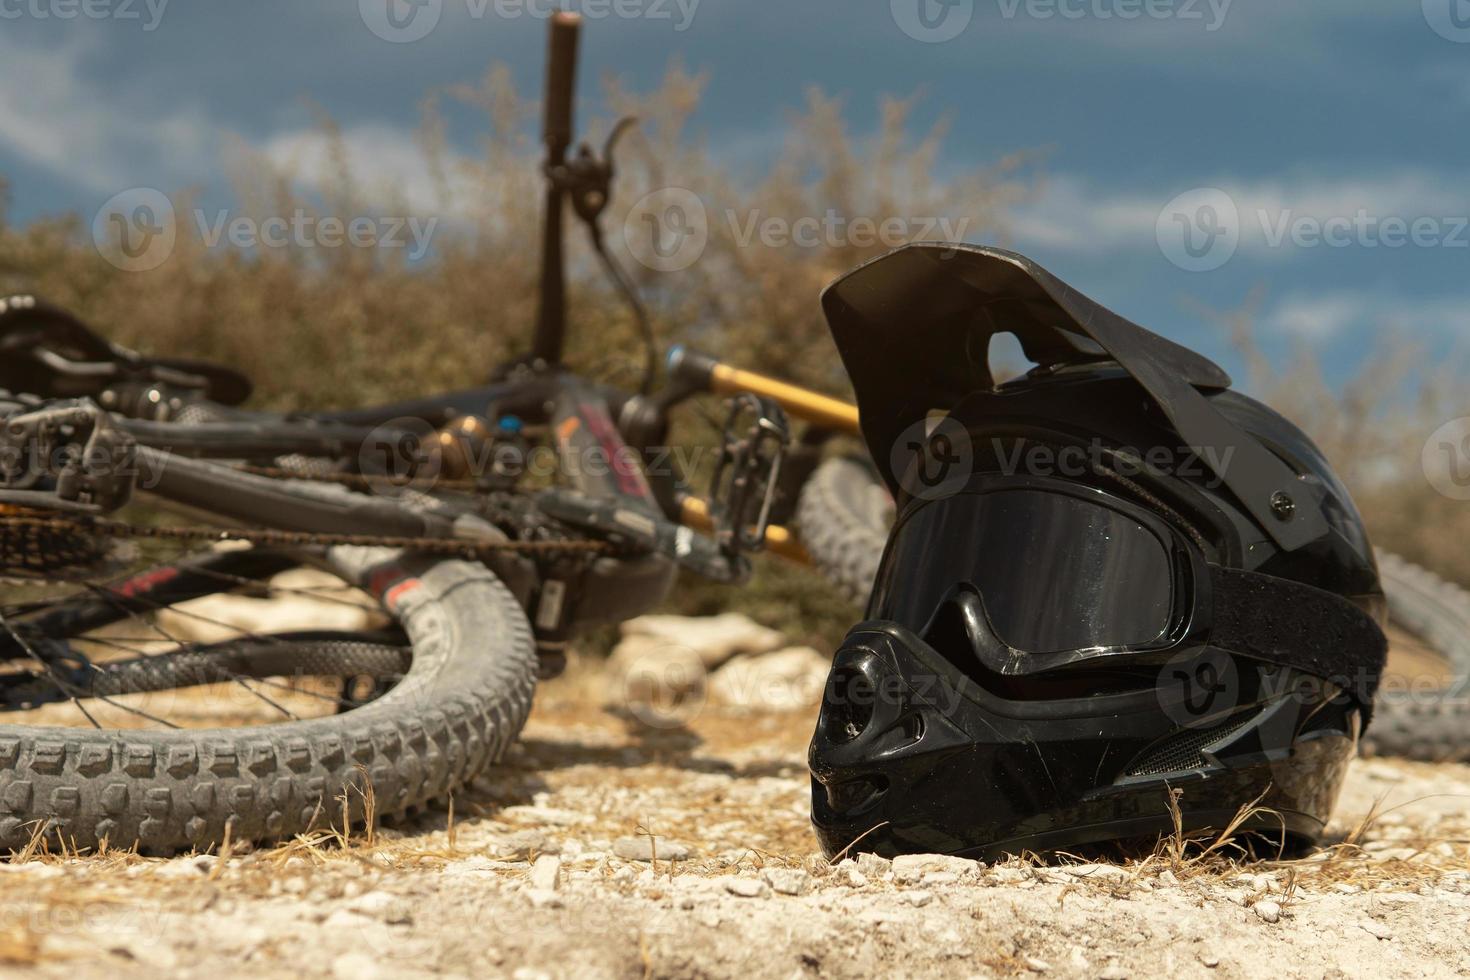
(354, 620)
(354, 624)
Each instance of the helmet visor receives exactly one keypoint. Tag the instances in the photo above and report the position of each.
(1059, 571)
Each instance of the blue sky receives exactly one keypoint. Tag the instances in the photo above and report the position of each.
(1334, 128)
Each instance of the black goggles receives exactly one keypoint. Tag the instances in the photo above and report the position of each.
(1065, 572)
(1045, 574)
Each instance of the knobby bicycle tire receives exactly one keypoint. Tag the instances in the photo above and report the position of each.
(464, 698)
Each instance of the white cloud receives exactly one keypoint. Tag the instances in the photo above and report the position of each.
(84, 131)
(384, 159)
(1322, 316)
(1276, 217)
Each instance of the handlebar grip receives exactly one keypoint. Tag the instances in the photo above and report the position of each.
(561, 80)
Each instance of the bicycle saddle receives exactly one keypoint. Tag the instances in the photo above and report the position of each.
(46, 351)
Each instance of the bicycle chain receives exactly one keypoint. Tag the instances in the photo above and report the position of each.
(93, 527)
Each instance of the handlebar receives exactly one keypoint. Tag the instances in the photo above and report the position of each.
(561, 79)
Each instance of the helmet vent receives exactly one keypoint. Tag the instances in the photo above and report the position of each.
(1185, 751)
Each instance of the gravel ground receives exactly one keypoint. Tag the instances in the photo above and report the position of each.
(607, 848)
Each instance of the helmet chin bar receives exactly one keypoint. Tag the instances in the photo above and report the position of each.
(911, 755)
(913, 328)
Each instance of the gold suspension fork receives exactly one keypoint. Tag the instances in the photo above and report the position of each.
(701, 372)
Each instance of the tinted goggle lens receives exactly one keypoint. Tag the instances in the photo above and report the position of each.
(1058, 572)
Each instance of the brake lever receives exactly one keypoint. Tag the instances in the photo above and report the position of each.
(747, 474)
(587, 177)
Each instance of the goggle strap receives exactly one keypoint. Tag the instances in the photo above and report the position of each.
(1286, 622)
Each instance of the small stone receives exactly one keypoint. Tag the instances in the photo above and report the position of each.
(1168, 878)
(912, 867)
(918, 899)
(546, 873)
(788, 881)
(1346, 888)
(1100, 872)
(874, 866)
(1037, 966)
(543, 898)
(1210, 960)
(747, 887)
(356, 966)
(849, 875)
(645, 848)
(523, 845)
(383, 905)
(1375, 929)
(1114, 973)
(1268, 911)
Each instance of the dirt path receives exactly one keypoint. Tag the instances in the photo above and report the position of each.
(748, 896)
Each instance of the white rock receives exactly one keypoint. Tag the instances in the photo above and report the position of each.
(788, 881)
(648, 671)
(1037, 966)
(383, 905)
(715, 639)
(874, 866)
(523, 845)
(356, 966)
(217, 617)
(849, 875)
(747, 887)
(1114, 973)
(1269, 911)
(546, 873)
(1375, 929)
(645, 848)
(786, 680)
(544, 815)
(918, 899)
(1097, 871)
(912, 867)
(542, 898)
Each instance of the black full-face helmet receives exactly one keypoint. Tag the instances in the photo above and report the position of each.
(1116, 594)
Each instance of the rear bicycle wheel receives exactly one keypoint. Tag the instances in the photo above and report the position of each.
(239, 695)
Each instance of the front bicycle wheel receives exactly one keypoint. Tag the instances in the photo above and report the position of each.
(252, 694)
